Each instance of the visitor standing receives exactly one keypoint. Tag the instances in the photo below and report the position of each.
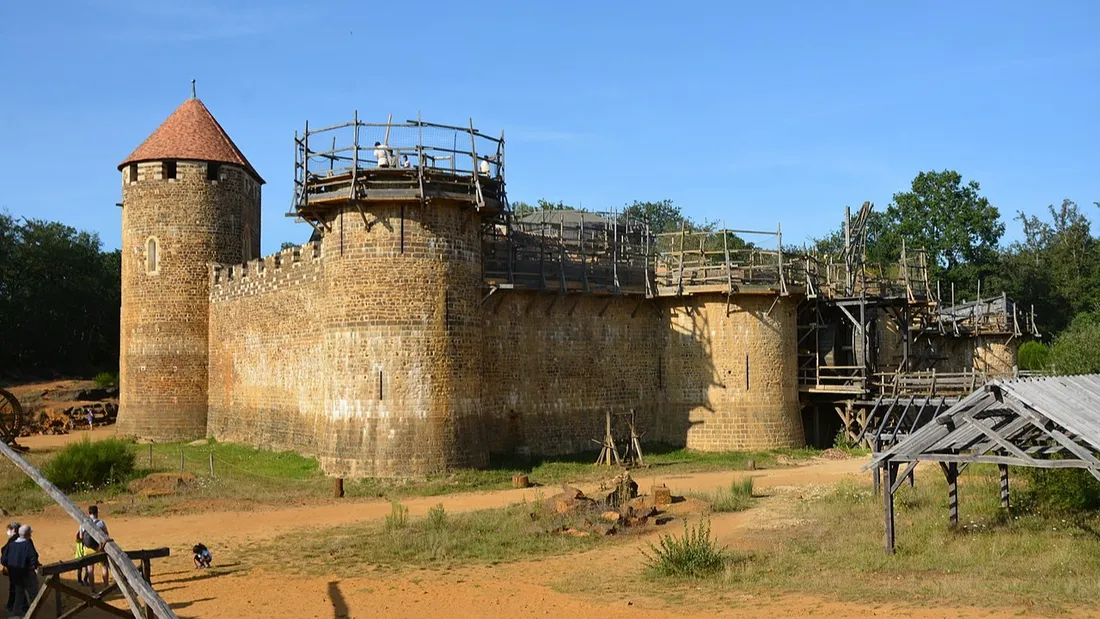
(90, 544)
(21, 561)
(13, 534)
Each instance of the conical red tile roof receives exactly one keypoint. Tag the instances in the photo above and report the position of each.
(191, 132)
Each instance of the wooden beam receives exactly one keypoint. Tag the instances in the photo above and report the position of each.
(62, 567)
(90, 600)
(39, 599)
(953, 493)
(1003, 468)
(977, 458)
(904, 476)
(888, 507)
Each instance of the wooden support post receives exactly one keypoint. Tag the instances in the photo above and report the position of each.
(338, 488)
(181, 461)
(147, 572)
(211, 464)
(890, 469)
(40, 598)
(877, 469)
(953, 493)
(150, 455)
(1004, 485)
(57, 602)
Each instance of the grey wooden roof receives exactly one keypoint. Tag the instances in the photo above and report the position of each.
(1047, 422)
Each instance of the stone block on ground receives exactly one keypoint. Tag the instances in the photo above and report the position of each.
(662, 495)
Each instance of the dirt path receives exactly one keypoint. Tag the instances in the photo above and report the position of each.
(54, 529)
(523, 589)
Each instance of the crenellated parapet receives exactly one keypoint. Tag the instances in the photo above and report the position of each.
(289, 267)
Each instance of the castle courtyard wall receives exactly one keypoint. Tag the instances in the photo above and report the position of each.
(266, 351)
(553, 366)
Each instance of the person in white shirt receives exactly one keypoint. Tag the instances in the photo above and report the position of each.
(405, 162)
(381, 155)
(483, 167)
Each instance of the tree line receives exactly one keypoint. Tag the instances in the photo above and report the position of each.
(60, 292)
(60, 295)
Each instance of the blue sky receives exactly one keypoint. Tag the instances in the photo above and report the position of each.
(753, 113)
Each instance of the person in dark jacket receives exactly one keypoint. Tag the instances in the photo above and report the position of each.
(13, 534)
(21, 560)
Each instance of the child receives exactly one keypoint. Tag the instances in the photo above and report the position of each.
(82, 573)
(202, 556)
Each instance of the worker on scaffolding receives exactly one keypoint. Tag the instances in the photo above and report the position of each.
(383, 155)
(483, 167)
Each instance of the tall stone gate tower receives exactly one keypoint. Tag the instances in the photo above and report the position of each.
(189, 198)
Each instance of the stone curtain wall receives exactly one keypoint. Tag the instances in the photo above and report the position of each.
(554, 365)
(730, 381)
(266, 350)
(163, 356)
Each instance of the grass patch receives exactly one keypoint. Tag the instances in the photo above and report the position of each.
(246, 477)
(437, 540)
(738, 497)
(692, 555)
(662, 460)
(993, 559)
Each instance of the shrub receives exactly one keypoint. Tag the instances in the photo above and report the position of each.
(86, 465)
(843, 440)
(693, 555)
(398, 518)
(1061, 491)
(437, 517)
(104, 380)
(1077, 349)
(1033, 356)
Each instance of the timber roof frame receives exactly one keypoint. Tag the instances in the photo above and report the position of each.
(1045, 422)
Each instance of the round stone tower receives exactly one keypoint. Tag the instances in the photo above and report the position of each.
(189, 198)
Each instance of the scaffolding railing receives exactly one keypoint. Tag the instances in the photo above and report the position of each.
(362, 161)
(907, 277)
(994, 315)
(691, 261)
(568, 251)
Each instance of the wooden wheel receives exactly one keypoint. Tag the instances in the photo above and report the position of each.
(11, 417)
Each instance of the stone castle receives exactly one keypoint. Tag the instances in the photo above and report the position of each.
(425, 327)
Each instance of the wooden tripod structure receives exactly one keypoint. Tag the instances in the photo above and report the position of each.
(608, 450)
(633, 455)
(609, 453)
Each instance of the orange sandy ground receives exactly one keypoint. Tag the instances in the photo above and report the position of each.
(521, 589)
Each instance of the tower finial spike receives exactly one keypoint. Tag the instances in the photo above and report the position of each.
(193, 96)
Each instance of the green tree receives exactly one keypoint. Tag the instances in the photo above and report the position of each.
(957, 227)
(520, 208)
(1077, 349)
(60, 300)
(1055, 268)
(660, 216)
